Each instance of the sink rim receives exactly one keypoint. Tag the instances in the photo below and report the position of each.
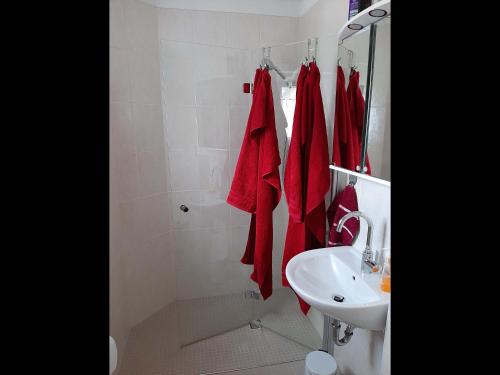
(371, 280)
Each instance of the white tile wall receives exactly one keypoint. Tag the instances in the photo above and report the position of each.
(209, 27)
(204, 60)
(213, 126)
(238, 116)
(119, 77)
(119, 327)
(144, 78)
(278, 30)
(184, 169)
(122, 130)
(180, 125)
(117, 32)
(141, 252)
(127, 171)
(175, 24)
(141, 23)
(242, 30)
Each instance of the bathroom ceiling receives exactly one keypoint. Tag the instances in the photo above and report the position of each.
(291, 8)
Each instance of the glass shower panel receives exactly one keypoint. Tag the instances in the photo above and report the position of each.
(281, 314)
(205, 111)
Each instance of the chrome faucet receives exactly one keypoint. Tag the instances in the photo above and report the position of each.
(367, 261)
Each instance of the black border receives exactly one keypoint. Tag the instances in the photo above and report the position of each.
(56, 139)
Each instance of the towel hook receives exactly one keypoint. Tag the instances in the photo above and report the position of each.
(263, 61)
(315, 49)
(352, 180)
(308, 58)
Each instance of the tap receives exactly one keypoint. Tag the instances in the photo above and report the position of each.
(367, 259)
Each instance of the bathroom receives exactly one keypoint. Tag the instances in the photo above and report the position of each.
(181, 89)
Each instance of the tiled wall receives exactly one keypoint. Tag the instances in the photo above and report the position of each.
(205, 57)
(142, 269)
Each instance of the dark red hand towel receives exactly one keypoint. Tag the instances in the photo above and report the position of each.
(343, 203)
(307, 176)
(343, 149)
(256, 186)
(357, 112)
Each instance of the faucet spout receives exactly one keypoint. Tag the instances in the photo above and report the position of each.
(368, 262)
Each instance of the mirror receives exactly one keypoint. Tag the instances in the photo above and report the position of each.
(379, 124)
(363, 105)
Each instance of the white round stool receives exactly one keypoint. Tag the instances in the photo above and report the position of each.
(320, 363)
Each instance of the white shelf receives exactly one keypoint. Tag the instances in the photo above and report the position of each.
(361, 175)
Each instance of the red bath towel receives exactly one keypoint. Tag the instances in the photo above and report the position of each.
(343, 148)
(307, 175)
(256, 186)
(343, 203)
(357, 112)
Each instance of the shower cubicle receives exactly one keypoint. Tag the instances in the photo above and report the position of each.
(187, 297)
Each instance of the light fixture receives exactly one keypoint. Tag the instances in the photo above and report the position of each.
(355, 26)
(377, 13)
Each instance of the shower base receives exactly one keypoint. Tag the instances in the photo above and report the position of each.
(213, 336)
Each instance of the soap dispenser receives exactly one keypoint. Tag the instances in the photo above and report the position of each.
(385, 283)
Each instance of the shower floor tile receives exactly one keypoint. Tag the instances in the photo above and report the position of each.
(155, 346)
(238, 349)
(291, 368)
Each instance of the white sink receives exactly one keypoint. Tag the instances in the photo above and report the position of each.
(317, 275)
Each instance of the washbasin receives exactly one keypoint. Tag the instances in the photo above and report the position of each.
(330, 280)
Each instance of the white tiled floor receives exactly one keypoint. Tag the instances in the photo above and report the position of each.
(291, 368)
(156, 346)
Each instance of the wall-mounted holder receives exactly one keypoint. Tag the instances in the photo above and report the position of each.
(352, 180)
(361, 175)
(368, 16)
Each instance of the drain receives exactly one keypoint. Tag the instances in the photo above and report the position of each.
(255, 324)
(338, 298)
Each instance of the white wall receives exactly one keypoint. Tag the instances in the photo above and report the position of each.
(142, 273)
(325, 17)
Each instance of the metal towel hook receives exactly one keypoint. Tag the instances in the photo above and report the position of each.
(352, 180)
(315, 49)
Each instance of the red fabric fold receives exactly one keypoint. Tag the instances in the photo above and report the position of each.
(256, 186)
(307, 175)
(357, 112)
(343, 203)
(343, 147)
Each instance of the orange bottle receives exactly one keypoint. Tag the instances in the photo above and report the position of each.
(385, 284)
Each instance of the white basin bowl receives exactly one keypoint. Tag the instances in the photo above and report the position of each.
(317, 275)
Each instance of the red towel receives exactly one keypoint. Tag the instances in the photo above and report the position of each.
(343, 147)
(256, 186)
(357, 112)
(343, 203)
(307, 175)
